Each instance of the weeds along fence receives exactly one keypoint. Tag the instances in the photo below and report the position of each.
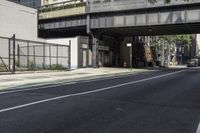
(24, 55)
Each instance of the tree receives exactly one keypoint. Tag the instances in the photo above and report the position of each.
(176, 39)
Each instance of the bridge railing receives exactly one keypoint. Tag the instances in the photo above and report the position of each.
(114, 5)
(63, 9)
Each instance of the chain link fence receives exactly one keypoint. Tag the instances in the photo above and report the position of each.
(24, 55)
(4, 54)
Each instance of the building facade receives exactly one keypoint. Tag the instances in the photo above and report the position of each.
(22, 21)
(19, 20)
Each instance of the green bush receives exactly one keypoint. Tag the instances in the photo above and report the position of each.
(31, 65)
(57, 67)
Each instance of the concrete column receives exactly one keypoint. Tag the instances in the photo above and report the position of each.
(117, 53)
(95, 43)
(88, 24)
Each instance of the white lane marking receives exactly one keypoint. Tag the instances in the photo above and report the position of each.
(87, 92)
(198, 129)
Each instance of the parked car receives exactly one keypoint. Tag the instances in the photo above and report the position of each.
(193, 62)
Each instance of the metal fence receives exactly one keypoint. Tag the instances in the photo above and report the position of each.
(113, 5)
(24, 55)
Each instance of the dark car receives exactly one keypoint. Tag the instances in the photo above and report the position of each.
(193, 62)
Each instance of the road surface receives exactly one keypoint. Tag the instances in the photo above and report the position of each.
(156, 102)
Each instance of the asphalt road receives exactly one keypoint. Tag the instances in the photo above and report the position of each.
(157, 102)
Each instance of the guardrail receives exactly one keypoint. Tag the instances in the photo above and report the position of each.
(116, 5)
(68, 8)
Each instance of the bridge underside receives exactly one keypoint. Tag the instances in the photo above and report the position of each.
(63, 32)
(113, 30)
(115, 49)
(191, 28)
(151, 30)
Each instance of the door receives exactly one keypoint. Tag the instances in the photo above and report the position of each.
(84, 58)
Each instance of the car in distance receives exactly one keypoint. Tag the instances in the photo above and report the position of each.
(193, 62)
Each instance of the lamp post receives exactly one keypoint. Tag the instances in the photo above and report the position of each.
(130, 46)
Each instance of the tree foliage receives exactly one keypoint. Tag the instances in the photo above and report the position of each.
(176, 39)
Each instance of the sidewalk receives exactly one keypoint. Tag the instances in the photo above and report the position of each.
(178, 66)
(50, 77)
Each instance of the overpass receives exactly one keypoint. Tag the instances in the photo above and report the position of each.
(127, 17)
(119, 18)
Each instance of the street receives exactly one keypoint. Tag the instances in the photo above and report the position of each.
(166, 101)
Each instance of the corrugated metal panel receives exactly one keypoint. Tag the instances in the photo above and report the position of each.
(193, 16)
(165, 18)
(153, 18)
(178, 17)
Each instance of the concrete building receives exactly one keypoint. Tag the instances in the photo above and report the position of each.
(81, 54)
(22, 21)
(19, 20)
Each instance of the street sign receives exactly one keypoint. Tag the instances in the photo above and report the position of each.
(129, 44)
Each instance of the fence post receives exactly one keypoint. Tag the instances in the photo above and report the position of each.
(50, 56)
(57, 56)
(18, 56)
(69, 55)
(43, 56)
(13, 69)
(28, 65)
(34, 60)
(9, 63)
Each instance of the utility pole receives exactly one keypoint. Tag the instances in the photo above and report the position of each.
(169, 56)
(163, 54)
(131, 63)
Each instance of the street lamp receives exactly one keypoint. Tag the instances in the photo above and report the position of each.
(130, 46)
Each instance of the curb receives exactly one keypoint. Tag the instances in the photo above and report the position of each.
(61, 81)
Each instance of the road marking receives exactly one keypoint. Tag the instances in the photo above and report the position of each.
(198, 129)
(87, 92)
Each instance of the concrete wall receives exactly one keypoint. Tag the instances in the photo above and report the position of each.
(198, 45)
(74, 48)
(19, 20)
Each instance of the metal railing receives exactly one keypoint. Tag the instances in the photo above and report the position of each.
(62, 9)
(24, 55)
(112, 5)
